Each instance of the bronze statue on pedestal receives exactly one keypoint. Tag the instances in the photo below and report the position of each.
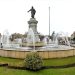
(33, 11)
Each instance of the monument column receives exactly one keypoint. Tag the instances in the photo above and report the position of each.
(33, 24)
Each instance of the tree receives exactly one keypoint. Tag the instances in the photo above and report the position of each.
(15, 36)
(0, 35)
(73, 35)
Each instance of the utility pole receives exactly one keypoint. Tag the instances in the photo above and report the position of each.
(49, 21)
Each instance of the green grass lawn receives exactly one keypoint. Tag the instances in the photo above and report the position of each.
(59, 61)
(46, 62)
(66, 71)
(11, 61)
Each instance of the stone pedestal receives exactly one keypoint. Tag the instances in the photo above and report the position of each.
(33, 25)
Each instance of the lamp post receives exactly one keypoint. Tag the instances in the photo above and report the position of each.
(49, 21)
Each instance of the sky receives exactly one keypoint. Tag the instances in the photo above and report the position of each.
(14, 16)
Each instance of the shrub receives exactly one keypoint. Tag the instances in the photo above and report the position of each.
(33, 61)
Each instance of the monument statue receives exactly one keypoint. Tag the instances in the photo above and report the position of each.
(33, 11)
(33, 26)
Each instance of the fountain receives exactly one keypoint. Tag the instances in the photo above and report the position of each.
(6, 43)
(5, 39)
(53, 44)
(45, 40)
(31, 38)
(49, 44)
(49, 49)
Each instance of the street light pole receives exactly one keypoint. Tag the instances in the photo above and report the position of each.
(49, 21)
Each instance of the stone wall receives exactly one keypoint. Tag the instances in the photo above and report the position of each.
(44, 54)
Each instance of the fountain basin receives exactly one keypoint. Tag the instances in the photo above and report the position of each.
(44, 53)
(37, 44)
